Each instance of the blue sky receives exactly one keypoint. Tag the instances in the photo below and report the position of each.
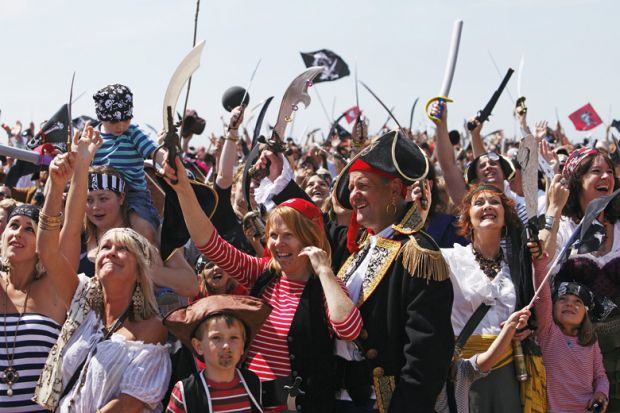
(400, 48)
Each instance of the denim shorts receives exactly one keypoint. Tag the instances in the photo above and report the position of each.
(140, 202)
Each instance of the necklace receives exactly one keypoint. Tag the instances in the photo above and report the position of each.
(9, 375)
(489, 266)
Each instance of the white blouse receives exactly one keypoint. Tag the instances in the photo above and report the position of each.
(119, 366)
(472, 288)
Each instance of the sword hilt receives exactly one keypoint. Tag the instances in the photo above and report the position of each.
(442, 100)
(171, 144)
(294, 389)
(520, 107)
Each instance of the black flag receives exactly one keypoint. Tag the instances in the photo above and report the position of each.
(616, 124)
(53, 131)
(588, 235)
(333, 66)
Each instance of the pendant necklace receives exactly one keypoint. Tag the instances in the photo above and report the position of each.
(9, 375)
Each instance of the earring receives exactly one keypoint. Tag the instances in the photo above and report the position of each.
(505, 231)
(137, 300)
(390, 209)
(96, 300)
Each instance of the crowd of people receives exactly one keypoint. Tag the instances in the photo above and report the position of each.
(388, 273)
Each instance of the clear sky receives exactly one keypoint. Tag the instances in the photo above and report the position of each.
(400, 48)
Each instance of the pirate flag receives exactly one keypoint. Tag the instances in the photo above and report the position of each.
(52, 131)
(616, 124)
(588, 235)
(333, 66)
(351, 114)
(585, 118)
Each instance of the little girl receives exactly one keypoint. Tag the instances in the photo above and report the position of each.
(575, 375)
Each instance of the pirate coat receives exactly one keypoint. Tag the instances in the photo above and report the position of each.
(406, 303)
(407, 340)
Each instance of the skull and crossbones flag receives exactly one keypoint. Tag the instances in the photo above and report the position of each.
(585, 118)
(333, 66)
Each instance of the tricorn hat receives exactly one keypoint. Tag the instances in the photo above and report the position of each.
(184, 321)
(232, 97)
(393, 154)
(174, 232)
(507, 167)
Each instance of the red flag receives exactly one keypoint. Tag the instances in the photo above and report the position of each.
(585, 118)
(352, 114)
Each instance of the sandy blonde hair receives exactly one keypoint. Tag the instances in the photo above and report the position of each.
(144, 252)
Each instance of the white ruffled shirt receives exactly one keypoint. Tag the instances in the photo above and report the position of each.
(120, 366)
(472, 288)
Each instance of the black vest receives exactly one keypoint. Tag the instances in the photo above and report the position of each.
(195, 395)
(310, 346)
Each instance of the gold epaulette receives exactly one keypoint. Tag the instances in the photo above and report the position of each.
(424, 263)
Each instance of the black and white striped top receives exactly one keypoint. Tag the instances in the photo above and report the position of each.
(36, 336)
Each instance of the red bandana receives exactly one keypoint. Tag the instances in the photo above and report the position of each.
(575, 159)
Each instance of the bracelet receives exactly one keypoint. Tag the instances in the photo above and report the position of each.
(229, 137)
(549, 221)
(51, 220)
(48, 227)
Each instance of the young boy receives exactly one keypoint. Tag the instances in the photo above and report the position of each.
(218, 329)
(125, 147)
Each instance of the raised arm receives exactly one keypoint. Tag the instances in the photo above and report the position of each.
(75, 208)
(204, 235)
(198, 223)
(455, 183)
(477, 145)
(229, 150)
(62, 274)
(558, 195)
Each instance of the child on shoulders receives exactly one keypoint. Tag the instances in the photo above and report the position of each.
(125, 147)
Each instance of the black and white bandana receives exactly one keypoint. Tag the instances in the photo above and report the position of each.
(114, 103)
(105, 182)
(28, 210)
(575, 289)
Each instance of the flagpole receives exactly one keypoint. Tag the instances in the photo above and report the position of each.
(568, 245)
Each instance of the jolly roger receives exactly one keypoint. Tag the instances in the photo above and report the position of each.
(333, 66)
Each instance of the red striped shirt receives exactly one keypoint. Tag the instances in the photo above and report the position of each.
(268, 355)
(230, 397)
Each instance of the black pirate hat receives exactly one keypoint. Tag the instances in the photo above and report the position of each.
(393, 154)
(507, 167)
(174, 233)
(53, 131)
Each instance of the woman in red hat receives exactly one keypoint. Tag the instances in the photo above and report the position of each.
(295, 346)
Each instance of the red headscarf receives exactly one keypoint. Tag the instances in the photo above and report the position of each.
(354, 226)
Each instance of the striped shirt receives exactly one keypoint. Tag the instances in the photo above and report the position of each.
(231, 397)
(268, 354)
(127, 154)
(36, 335)
(574, 372)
